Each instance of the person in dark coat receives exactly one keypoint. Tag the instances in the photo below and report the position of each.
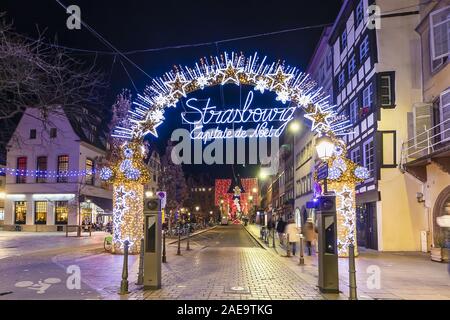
(281, 225)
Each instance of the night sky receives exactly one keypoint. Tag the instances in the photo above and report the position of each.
(131, 25)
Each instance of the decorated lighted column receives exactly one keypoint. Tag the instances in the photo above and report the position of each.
(343, 175)
(127, 174)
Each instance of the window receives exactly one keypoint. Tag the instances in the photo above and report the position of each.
(32, 133)
(354, 110)
(369, 156)
(387, 90)
(341, 80)
(2, 214)
(355, 155)
(92, 133)
(21, 170)
(89, 171)
(63, 168)
(444, 109)
(343, 39)
(20, 212)
(41, 170)
(436, 64)
(40, 212)
(368, 97)
(440, 33)
(61, 212)
(351, 66)
(359, 13)
(364, 49)
(53, 133)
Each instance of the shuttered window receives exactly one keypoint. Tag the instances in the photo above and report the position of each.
(444, 109)
(423, 121)
(440, 33)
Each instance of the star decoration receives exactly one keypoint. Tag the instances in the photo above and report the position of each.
(319, 119)
(283, 96)
(345, 209)
(230, 73)
(346, 194)
(150, 126)
(177, 86)
(261, 85)
(279, 79)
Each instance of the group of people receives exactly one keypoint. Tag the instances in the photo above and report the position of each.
(289, 233)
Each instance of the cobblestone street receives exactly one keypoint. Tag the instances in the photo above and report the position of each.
(224, 263)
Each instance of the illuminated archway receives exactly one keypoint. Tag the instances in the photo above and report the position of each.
(289, 85)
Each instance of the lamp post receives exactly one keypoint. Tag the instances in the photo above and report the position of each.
(324, 148)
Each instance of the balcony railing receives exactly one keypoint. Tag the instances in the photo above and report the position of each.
(427, 142)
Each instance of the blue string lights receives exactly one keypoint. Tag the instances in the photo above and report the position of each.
(45, 173)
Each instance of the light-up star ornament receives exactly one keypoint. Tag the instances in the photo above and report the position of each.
(230, 73)
(279, 79)
(177, 86)
(320, 119)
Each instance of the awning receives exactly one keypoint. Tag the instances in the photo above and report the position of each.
(104, 203)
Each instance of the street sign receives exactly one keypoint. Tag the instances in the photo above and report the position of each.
(163, 197)
(322, 171)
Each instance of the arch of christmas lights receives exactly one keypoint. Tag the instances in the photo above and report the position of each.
(287, 82)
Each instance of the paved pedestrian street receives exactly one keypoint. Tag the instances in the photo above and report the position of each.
(225, 262)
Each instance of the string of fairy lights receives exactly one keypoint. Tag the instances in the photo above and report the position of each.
(46, 173)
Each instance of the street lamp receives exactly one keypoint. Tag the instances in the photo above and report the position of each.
(197, 208)
(254, 190)
(294, 127)
(148, 194)
(324, 148)
(262, 175)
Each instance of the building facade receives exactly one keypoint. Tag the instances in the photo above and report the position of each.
(51, 180)
(376, 83)
(201, 197)
(426, 154)
(320, 69)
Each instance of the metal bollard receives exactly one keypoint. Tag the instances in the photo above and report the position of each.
(164, 259)
(124, 282)
(187, 244)
(288, 247)
(179, 243)
(301, 260)
(140, 279)
(352, 272)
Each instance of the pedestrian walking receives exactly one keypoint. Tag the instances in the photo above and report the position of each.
(280, 229)
(293, 231)
(309, 234)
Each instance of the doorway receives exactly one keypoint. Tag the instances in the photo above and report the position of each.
(366, 225)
